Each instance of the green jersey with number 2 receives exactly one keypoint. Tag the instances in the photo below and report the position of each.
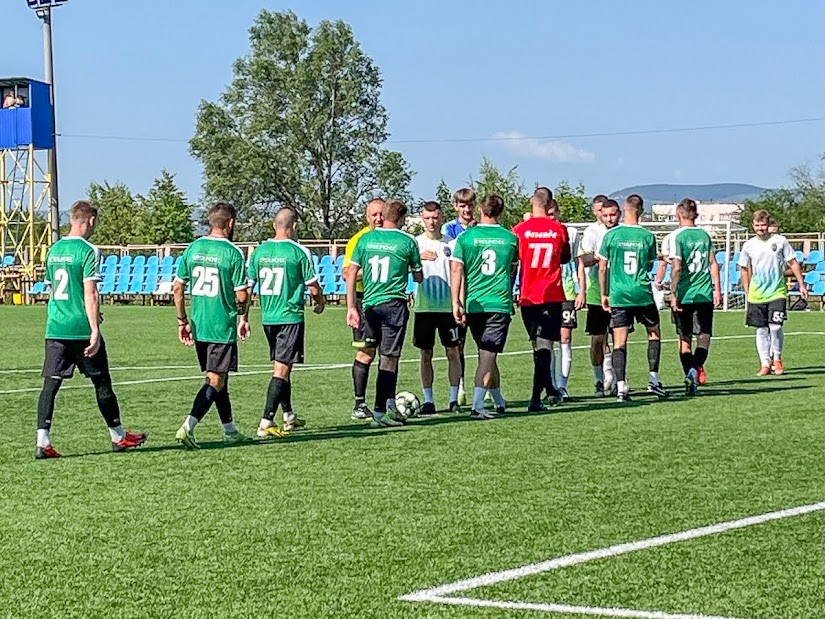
(216, 268)
(386, 256)
(630, 251)
(489, 254)
(282, 269)
(70, 263)
(693, 247)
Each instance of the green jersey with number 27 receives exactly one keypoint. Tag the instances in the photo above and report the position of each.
(282, 269)
(385, 256)
(630, 251)
(693, 247)
(216, 268)
(489, 254)
(71, 261)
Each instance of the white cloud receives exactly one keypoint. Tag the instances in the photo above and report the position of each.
(549, 150)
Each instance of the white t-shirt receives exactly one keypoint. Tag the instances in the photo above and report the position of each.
(767, 260)
(433, 293)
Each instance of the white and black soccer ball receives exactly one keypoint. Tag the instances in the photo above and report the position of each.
(407, 404)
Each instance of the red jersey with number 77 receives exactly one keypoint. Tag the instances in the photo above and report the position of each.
(541, 241)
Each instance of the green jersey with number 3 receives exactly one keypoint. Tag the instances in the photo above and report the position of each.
(216, 268)
(693, 247)
(282, 269)
(489, 254)
(385, 256)
(70, 263)
(630, 251)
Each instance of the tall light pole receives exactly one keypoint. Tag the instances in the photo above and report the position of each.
(43, 9)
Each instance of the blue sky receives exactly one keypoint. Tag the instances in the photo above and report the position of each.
(452, 70)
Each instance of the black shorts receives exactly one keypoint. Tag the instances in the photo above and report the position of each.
(489, 330)
(646, 315)
(63, 356)
(598, 320)
(568, 315)
(387, 326)
(542, 321)
(218, 358)
(362, 337)
(694, 319)
(425, 326)
(764, 314)
(286, 342)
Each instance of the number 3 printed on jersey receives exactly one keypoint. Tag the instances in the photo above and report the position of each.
(207, 283)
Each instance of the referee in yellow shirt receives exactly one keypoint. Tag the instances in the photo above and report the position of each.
(362, 339)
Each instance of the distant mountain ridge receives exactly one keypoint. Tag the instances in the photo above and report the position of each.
(717, 192)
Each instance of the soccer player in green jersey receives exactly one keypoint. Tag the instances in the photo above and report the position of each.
(628, 251)
(483, 268)
(695, 290)
(216, 268)
(762, 262)
(283, 270)
(73, 338)
(385, 256)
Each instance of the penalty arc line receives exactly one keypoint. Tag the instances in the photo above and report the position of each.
(329, 366)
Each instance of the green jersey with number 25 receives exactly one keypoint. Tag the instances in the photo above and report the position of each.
(216, 268)
(489, 254)
(693, 247)
(282, 269)
(630, 251)
(71, 261)
(386, 256)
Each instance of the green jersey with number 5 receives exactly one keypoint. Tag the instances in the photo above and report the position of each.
(693, 247)
(70, 263)
(216, 268)
(282, 269)
(385, 256)
(630, 251)
(489, 254)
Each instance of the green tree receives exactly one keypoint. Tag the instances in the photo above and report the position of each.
(301, 124)
(573, 204)
(166, 216)
(120, 214)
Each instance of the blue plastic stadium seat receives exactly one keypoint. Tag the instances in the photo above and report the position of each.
(813, 258)
(812, 278)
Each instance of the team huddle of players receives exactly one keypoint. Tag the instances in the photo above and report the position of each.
(465, 272)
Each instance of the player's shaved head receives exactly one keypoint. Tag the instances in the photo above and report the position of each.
(286, 218)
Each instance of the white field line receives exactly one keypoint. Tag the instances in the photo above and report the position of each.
(306, 368)
(440, 594)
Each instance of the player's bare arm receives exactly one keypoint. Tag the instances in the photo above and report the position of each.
(603, 284)
(184, 330)
(91, 299)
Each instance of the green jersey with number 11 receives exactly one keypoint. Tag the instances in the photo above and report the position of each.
(216, 268)
(693, 247)
(70, 263)
(282, 269)
(385, 256)
(630, 250)
(489, 254)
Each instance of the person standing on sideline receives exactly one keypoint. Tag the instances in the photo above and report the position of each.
(364, 346)
(283, 270)
(433, 308)
(216, 268)
(762, 262)
(73, 338)
(481, 283)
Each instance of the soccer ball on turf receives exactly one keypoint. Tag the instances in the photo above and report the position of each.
(407, 404)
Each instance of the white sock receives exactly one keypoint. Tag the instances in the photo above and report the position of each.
(428, 394)
(763, 345)
(566, 363)
(229, 428)
(189, 423)
(607, 366)
(497, 397)
(598, 374)
(777, 341)
(117, 434)
(478, 398)
(265, 423)
(43, 439)
(622, 387)
(453, 393)
(654, 378)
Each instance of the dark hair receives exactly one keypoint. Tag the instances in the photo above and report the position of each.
(687, 208)
(220, 214)
(635, 202)
(543, 195)
(395, 211)
(83, 210)
(492, 206)
(431, 206)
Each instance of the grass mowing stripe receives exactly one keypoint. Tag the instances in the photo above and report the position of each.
(321, 366)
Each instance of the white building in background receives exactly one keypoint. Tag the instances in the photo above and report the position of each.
(708, 212)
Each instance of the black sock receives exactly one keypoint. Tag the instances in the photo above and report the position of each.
(654, 351)
(273, 397)
(699, 357)
(45, 405)
(223, 404)
(619, 363)
(286, 396)
(360, 379)
(541, 375)
(383, 389)
(687, 361)
(107, 400)
(203, 400)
